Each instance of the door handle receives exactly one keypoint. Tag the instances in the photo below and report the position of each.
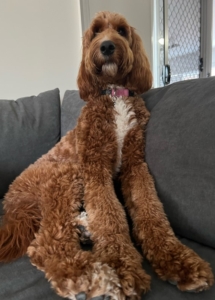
(166, 74)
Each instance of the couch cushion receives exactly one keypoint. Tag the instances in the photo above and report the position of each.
(19, 280)
(180, 152)
(70, 110)
(29, 127)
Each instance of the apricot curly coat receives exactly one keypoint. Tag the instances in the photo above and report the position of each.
(43, 204)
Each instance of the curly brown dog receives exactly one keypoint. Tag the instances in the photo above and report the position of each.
(42, 207)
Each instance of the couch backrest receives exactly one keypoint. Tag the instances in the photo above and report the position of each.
(29, 127)
(180, 152)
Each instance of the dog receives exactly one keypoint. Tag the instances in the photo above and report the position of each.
(42, 206)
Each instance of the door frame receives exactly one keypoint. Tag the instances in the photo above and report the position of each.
(155, 44)
(206, 36)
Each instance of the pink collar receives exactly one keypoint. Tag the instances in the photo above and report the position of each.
(117, 92)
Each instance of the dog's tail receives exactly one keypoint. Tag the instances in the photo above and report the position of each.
(17, 231)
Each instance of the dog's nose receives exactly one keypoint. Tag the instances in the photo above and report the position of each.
(107, 48)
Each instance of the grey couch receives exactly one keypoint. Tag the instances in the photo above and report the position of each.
(180, 152)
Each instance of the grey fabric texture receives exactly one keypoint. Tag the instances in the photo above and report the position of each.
(70, 110)
(29, 127)
(180, 152)
(20, 280)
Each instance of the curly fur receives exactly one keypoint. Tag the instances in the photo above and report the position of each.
(42, 206)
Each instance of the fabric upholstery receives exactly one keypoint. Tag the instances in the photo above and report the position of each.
(29, 127)
(70, 110)
(19, 280)
(180, 152)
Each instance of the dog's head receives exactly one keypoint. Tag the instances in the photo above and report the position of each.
(112, 54)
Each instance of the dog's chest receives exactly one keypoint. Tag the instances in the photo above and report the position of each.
(125, 120)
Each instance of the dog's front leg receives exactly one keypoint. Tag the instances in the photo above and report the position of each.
(170, 259)
(106, 217)
(110, 235)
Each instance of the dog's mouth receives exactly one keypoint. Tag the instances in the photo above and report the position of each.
(109, 69)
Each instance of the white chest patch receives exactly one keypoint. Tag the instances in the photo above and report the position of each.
(125, 120)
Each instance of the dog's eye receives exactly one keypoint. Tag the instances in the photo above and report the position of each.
(121, 31)
(96, 31)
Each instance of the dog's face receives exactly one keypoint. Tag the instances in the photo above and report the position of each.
(112, 54)
(107, 45)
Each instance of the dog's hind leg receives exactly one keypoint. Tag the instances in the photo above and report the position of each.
(171, 260)
(22, 214)
(56, 249)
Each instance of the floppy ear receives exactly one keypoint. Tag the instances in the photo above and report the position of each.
(85, 80)
(140, 77)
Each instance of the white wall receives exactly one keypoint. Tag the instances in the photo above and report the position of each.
(40, 46)
(137, 12)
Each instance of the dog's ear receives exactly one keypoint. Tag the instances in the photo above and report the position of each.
(140, 77)
(85, 79)
(83, 82)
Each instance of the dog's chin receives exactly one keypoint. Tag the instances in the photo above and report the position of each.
(110, 69)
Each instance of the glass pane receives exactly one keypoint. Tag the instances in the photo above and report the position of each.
(184, 39)
(213, 49)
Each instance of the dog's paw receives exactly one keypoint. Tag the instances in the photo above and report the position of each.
(84, 235)
(105, 283)
(185, 269)
(198, 276)
(134, 282)
(98, 282)
(82, 226)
